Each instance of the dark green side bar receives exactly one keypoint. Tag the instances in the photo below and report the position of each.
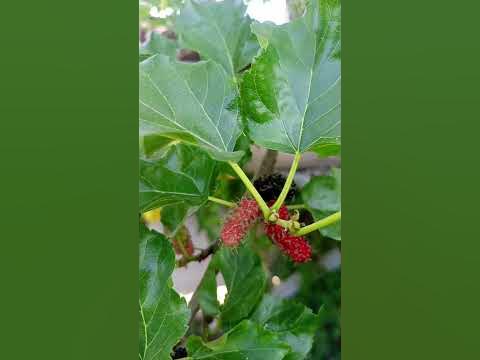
(68, 180)
(411, 229)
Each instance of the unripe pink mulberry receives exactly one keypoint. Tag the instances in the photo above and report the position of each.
(240, 221)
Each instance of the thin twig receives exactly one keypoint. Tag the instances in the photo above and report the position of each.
(201, 256)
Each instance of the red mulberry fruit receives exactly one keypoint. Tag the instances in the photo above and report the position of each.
(240, 221)
(295, 247)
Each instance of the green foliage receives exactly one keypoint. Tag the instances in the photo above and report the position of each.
(291, 95)
(326, 344)
(245, 279)
(163, 314)
(173, 216)
(293, 323)
(183, 176)
(324, 150)
(207, 291)
(247, 340)
(277, 87)
(158, 44)
(322, 195)
(219, 31)
(191, 103)
(210, 219)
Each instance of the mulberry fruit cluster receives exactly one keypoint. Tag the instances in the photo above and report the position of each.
(244, 216)
(295, 247)
(239, 222)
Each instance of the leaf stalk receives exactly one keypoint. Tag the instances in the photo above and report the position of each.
(251, 188)
(222, 202)
(288, 183)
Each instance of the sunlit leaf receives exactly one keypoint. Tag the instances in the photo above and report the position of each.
(190, 102)
(291, 95)
(219, 31)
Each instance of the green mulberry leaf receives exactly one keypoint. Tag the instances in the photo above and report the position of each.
(183, 176)
(164, 314)
(207, 292)
(247, 340)
(292, 322)
(190, 102)
(158, 44)
(291, 95)
(219, 31)
(322, 196)
(245, 280)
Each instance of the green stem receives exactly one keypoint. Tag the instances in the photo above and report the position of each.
(296, 206)
(288, 182)
(222, 202)
(329, 220)
(284, 223)
(248, 184)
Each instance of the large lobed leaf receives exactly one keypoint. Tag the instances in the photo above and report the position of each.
(191, 102)
(163, 314)
(291, 95)
(184, 175)
(322, 196)
(245, 279)
(293, 323)
(219, 31)
(247, 340)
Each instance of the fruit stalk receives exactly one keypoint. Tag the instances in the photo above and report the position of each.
(329, 220)
(248, 184)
